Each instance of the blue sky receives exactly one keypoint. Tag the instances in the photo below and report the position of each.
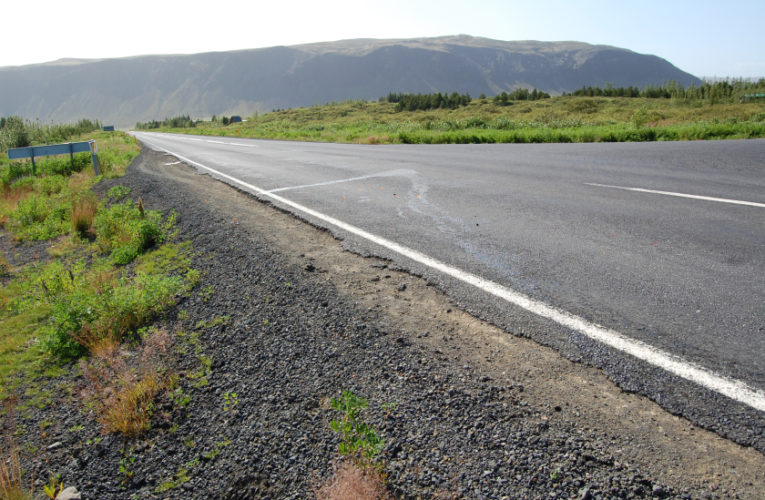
(703, 37)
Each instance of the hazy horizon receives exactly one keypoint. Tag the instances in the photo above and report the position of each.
(701, 39)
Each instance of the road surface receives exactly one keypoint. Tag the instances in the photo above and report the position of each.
(660, 244)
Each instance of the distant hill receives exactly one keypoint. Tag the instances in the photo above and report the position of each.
(126, 90)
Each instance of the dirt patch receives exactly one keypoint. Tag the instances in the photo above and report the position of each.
(19, 253)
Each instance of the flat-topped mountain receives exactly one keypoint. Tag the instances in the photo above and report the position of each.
(126, 90)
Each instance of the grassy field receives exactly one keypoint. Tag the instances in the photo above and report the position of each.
(558, 119)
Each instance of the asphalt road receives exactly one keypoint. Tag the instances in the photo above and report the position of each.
(684, 275)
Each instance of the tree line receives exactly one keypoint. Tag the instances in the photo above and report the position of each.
(15, 132)
(183, 121)
(424, 102)
(717, 90)
(521, 94)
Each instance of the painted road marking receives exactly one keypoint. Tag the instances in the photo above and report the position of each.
(231, 143)
(681, 195)
(389, 173)
(732, 388)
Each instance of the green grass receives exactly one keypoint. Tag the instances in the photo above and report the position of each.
(559, 119)
(110, 272)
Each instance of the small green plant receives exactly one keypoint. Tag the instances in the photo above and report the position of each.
(217, 320)
(640, 117)
(126, 466)
(359, 440)
(76, 428)
(389, 408)
(555, 474)
(230, 400)
(54, 487)
(207, 292)
(216, 449)
(180, 399)
(118, 192)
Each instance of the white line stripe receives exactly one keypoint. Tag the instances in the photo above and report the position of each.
(681, 195)
(328, 183)
(732, 388)
(231, 143)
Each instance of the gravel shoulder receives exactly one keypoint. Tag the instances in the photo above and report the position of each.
(479, 413)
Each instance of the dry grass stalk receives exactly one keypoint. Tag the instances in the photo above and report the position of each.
(352, 482)
(83, 213)
(11, 476)
(122, 385)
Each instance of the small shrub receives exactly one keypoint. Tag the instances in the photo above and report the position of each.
(359, 439)
(85, 306)
(126, 230)
(118, 192)
(37, 217)
(88, 313)
(50, 184)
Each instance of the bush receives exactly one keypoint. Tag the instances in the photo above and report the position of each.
(86, 308)
(126, 230)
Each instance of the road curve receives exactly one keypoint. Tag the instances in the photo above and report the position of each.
(662, 244)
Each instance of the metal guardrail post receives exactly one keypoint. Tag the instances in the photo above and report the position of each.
(94, 156)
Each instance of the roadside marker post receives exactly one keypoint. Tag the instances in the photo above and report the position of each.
(56, 149)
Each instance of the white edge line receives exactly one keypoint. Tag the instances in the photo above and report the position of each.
(732, 388)
(681, 195)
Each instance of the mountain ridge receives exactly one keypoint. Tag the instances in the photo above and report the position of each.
(140, 88)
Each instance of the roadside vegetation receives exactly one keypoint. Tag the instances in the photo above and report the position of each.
(81, 303)
(730, 109)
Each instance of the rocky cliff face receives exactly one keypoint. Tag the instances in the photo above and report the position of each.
(124, 91)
